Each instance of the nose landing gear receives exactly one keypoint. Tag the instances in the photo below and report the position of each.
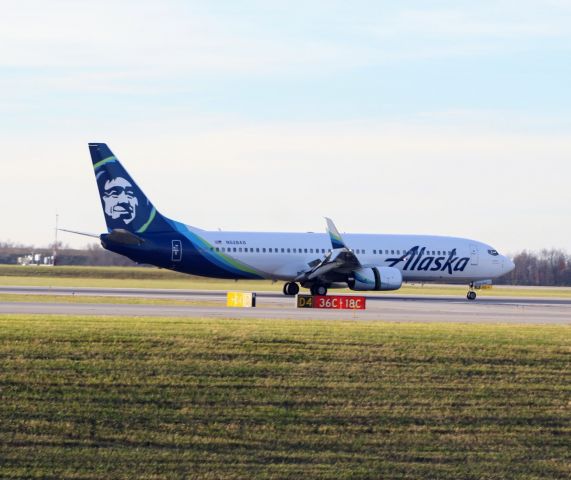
(471, 295)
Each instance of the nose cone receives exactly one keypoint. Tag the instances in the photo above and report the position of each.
(508, 265)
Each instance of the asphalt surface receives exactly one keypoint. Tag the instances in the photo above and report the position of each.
(211, 304)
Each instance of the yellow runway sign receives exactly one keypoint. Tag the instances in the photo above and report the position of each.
(241, 299)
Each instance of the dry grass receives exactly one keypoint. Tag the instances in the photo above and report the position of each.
(131, 277)
(125, 300)
(92, 397)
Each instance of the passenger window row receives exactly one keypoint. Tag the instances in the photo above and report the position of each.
(398, 252)
(317, 250)
(267, 250)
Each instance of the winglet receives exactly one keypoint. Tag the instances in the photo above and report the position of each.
(336, 240)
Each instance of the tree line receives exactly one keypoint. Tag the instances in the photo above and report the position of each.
(92, 255)
(546, 267)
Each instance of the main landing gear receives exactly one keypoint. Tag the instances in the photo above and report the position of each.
(291, 289)
(471, 295)
(318, 290)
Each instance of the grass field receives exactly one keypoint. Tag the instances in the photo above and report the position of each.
(11, 297)
(126, 277)
(150, 273)
(91, 398)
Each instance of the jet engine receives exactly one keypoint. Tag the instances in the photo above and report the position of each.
(375, 278)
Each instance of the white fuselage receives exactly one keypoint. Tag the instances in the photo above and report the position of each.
(283, 256)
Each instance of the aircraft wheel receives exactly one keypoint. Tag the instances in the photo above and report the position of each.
(291, 289)
(319, 290)
(314, 290)
(471, 295)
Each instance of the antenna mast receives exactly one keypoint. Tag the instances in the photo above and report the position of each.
(55, 242)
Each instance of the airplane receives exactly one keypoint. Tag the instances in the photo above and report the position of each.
(318, 262)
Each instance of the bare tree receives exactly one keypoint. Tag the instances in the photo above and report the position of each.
(548, 267)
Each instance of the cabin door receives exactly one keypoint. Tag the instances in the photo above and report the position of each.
(474, 255)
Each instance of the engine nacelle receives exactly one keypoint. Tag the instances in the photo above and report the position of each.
(375, 278)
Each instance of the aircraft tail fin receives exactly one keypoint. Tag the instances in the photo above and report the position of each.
(125, 205)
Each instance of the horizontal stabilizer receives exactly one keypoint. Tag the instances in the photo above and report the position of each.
(94, 235)
(125, 237)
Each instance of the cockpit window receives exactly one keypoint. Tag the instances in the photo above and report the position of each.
(493, 252)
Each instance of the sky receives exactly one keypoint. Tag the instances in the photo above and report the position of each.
(442, 117)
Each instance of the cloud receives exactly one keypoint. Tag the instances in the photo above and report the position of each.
(105, 43)
(146, 37)
(462, 29)
(459, 23)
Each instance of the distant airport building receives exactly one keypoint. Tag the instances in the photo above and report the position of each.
(36, 259)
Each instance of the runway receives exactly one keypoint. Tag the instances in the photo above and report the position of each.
(211, 304)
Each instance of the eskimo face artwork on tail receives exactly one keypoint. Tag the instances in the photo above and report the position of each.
(125, 206)
(119, 200)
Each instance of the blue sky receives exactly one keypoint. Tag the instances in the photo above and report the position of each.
(412, 117)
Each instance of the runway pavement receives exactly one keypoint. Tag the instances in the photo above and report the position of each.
(209, 303)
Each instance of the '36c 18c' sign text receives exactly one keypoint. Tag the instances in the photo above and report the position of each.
(339, 302)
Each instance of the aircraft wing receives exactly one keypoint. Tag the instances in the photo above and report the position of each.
(336, 264)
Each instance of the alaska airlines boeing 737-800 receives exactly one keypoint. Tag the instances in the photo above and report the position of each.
(362, 262)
